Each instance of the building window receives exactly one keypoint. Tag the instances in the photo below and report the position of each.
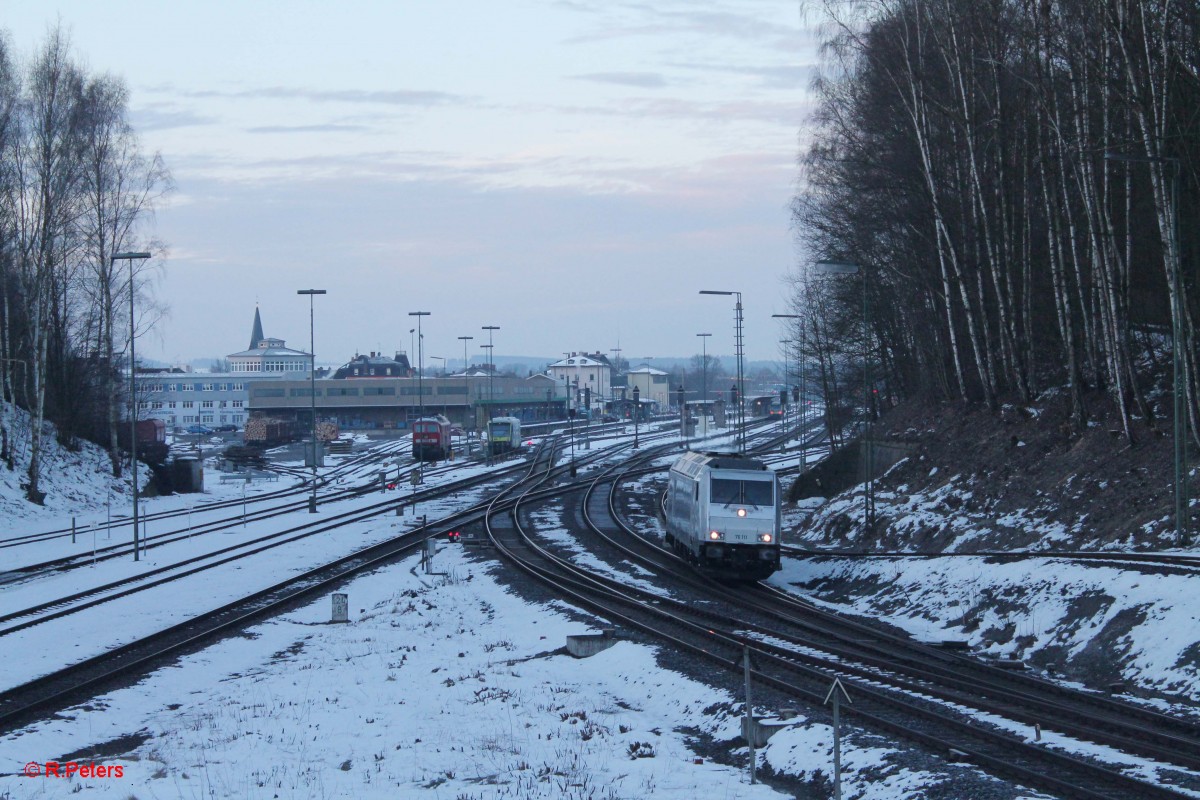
(189, 403)
(171, 404)
(237, 403)
(157, 405)
(207, 418)
(206, 404)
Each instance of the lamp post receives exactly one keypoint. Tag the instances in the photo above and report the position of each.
(786, 388)
(312, 390)
(799, 376)
(741, 386)
(1182, 527)
(843, 268)
(467, 392)
(637, 411)
(133, 409)
(612, 389)
(491, 371)
(801, 394)
(420, 363)
(443, 360)
(570, 421)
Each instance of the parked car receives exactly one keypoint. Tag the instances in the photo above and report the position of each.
(199, 429)
(609, 418)
(226, 428)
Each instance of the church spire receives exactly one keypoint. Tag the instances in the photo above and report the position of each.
(256, 335)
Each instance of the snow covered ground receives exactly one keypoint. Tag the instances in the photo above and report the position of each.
(440, 686)
(1104, 623)
(443, 686)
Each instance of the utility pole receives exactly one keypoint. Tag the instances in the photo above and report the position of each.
(133, 409)
(312, 389)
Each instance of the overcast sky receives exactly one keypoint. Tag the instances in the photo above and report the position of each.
(571, 171)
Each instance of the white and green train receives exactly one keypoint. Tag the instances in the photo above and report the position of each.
(504, 435)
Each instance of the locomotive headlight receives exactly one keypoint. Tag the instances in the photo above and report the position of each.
(741, 512)
(764, 537)
(715, 535)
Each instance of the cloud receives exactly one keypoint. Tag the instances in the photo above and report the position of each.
(656, 19)
(327, 128)
(394, 97)
(789, 77)
(646, 80)
(160, 117)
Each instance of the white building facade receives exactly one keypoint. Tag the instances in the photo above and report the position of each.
(584, 371)
(181, 398)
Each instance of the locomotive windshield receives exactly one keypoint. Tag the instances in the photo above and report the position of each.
(750, 493)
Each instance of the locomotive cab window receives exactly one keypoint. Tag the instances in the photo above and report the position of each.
(752, 493)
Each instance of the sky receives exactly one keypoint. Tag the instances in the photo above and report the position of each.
(573, 172)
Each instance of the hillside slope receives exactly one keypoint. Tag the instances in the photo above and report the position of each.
(74, 481)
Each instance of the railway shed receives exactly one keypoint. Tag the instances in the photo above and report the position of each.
(394, 403)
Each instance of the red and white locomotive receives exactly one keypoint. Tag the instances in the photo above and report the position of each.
(431, 438)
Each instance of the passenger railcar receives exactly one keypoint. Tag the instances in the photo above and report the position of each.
(504, 435)
(723, 515)
(431, 438)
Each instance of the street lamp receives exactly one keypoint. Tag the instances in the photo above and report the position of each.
(491, 370)
(799, 372)
(570, 421)
(312, 390)
(844, 268)
(786, 388)
(467, 393)
(704, 380)
(420, 363)
(741, 386)
(637, 411)
(1182, 527)
(801, 394)
(131, 257)
(704, 362)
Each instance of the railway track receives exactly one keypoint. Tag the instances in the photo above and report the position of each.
(345, 469)
(918, 693)
(1160, 562)
(50, 692)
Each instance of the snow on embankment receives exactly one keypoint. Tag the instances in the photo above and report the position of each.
(74, 482)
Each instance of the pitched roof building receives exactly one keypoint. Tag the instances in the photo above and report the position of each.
(585, 371)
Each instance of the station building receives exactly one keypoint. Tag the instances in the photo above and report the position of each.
(652, 385)
(584, 371)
